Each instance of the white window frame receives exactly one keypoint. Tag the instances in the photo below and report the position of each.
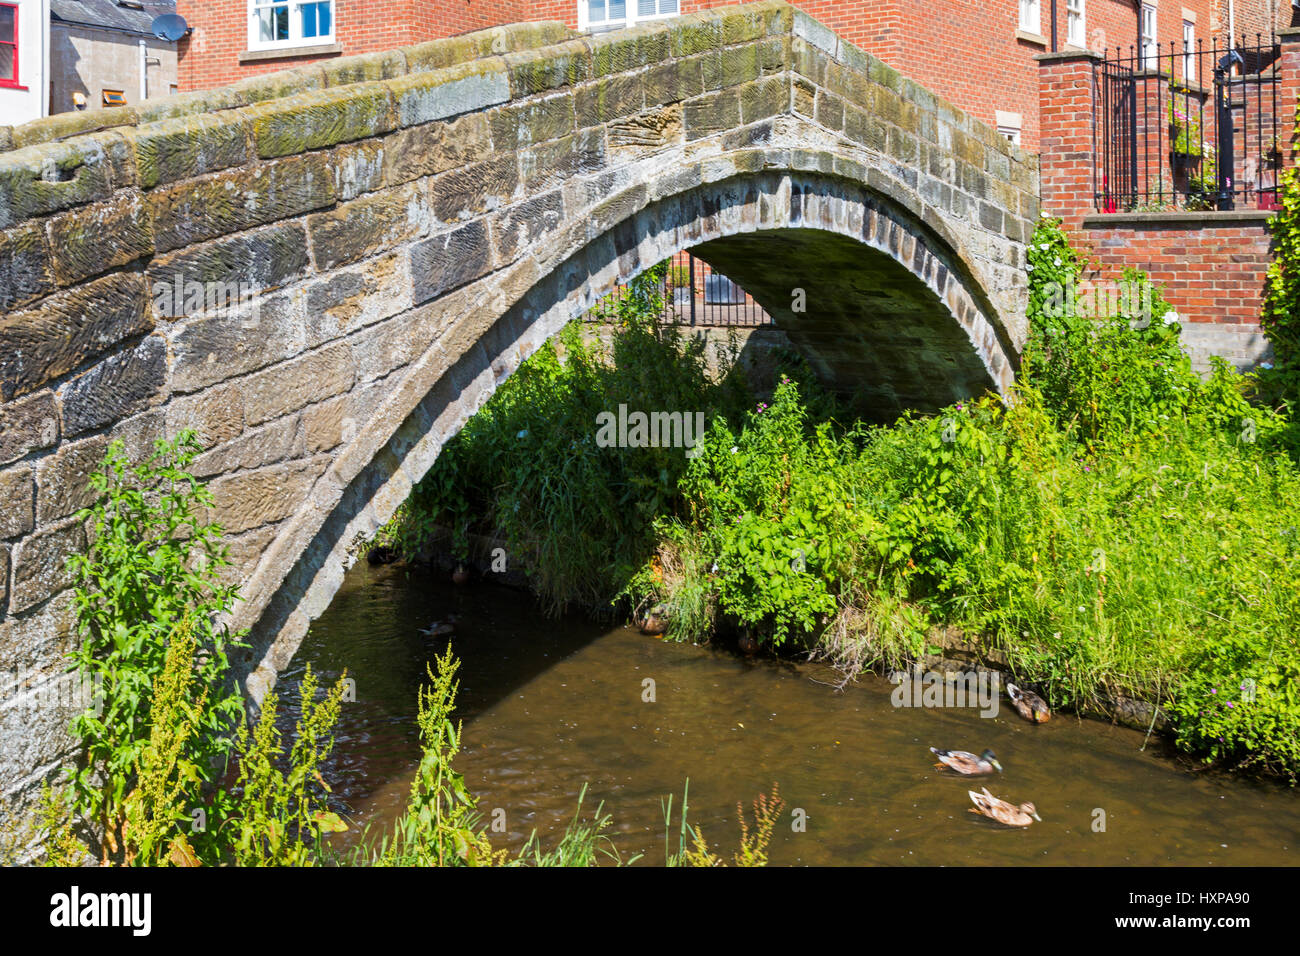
(1031, 16)
(1189, 51)
(631, 17)
(1148, 39)
(1076, 23)
(295, 38)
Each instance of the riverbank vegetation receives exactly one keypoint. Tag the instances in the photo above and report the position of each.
(173, 772)
(1122, 528)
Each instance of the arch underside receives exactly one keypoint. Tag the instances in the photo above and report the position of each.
(895, 319)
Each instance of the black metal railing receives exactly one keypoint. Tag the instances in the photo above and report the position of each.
(695, 295)
(1181, 128)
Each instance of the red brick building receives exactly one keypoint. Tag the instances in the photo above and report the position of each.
(978, 54)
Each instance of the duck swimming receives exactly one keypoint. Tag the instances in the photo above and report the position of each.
(1006, 813)
(967, 763)
(443, 628)
(1029, 705)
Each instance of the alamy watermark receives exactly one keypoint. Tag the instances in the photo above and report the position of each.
(179, 297)
(1133, 299)
(650, 430)
(974, 689)
(32, 692)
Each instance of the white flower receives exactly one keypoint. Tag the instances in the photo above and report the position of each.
(1044, 246)
(734, 449)
(1266, 365)
(1057, 261)
(1171, 318)
(1029, 268)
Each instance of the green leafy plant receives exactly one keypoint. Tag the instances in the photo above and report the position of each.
(152, 563)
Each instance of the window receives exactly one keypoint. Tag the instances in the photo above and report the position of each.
(1189, 51)
(1031, 16)
(8, 44)
(1150, 51)
(1075, 27)
(275, 23)
(615, 14)
(114, 97)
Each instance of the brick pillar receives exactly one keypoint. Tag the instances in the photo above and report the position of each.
(1065, 137)
(1288, 94)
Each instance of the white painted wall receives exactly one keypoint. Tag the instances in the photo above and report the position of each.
(32, 101)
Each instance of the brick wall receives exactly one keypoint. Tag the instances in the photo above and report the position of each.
(1212, 266)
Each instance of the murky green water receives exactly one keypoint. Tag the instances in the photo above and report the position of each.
(549, 706)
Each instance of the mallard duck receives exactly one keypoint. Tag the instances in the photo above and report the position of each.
(967, 763)
(1029, 705)
(443, 628)
(1006, 813)
(748, 642)
(656, 620)
(460, 575)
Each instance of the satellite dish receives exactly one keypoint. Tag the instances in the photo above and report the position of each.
(170, 26)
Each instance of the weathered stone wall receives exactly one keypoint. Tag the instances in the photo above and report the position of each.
(409, 227)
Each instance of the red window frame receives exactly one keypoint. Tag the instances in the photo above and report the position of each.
(12, 41)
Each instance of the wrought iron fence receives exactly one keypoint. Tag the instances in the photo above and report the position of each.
(1176, 127)
(695, 295)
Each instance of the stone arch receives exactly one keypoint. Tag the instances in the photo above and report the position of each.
(499, 323)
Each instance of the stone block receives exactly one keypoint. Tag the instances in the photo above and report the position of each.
(466, 192)
(367, 226)
(96, 238)
(211, 348)
(39, 571)
(250, 262)
(442, 94)
(251, 499)
(451, 260)
(28, 424)
(26, 272)
(63, 479)
(18, 492)
(238, 199)
(297, 383)
(118, 386)
(321, 118)
(436, 148)
(533, 121)
(190, 146)
(215, 415)
(68, 329)
(40, 180)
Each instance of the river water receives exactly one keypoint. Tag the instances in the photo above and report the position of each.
(549, 706)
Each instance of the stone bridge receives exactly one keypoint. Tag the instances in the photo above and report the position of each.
(401, 230)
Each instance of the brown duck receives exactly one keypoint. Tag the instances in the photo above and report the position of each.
(1005, 813)
(1029, 705)
(967, 763)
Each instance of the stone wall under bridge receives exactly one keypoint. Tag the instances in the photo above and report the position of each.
(405, 229)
